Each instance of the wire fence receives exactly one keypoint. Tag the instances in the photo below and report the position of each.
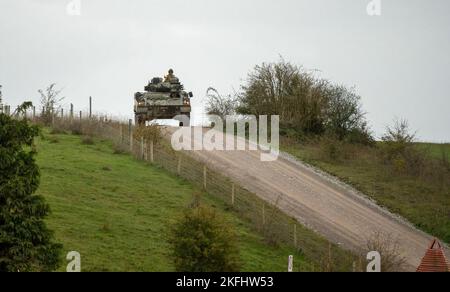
(264, 216)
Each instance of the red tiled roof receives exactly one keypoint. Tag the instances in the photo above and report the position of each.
(434, 260)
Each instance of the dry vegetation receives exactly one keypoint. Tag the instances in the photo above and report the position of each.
(388, 247)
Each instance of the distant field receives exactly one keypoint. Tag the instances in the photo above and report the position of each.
(436, 150)
(116, 211)
(425, 204)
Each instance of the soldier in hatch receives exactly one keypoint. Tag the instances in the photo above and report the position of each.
(170, 76)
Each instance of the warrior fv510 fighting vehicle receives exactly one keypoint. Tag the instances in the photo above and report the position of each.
(163, 99)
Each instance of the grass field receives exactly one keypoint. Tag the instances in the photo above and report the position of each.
(116, 211)
(424, 203)
(435, 150)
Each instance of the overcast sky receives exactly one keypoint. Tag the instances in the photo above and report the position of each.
(399, 62)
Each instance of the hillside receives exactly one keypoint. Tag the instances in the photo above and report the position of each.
(116, 211)
(423, 200)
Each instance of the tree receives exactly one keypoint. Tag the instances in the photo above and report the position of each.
(286, 90)
(305, 103)
(203, 242)
(50, 102)
(344, 114)
(220, 105)
(26, 244)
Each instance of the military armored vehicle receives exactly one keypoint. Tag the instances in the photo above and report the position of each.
(163, 99)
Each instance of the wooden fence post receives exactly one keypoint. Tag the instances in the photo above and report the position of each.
(131, 142)
(291, 264)
(34, 112)
(145, 150)
(152, 157)
(71, 111)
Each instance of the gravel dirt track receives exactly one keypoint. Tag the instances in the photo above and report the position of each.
(319, 201)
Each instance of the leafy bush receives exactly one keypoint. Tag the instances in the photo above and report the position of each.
(305, 103)
(398, 151)
(360, 136)
(25, 242)
(397, 140)
(343, 112)
(203, 242)
(58, 131)
(288, 91)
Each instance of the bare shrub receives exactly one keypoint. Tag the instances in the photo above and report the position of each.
(89, 127)
(58, 130)
(400, 133)
(76, 129)
(50, 103)
(119, 148)
(219, 105)
(149, 133)
(389, 249)
(272, 225)
(87, 140)
(330, 149)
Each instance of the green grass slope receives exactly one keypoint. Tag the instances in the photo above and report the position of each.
(426, 204)
(117, 211)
